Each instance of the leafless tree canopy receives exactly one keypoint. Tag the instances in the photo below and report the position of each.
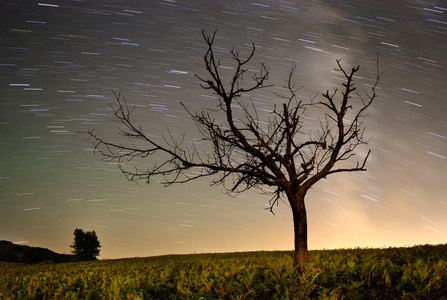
(246, 152)
(243, 152)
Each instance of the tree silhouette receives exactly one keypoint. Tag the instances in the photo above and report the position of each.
(86, 245)
(243, 151)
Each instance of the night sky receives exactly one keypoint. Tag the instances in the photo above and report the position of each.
(61, 60)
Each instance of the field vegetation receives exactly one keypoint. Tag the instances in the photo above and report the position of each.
(418, 272)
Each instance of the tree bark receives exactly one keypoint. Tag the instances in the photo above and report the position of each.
(297, 204)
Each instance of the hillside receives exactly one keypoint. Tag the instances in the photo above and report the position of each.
(31, 255)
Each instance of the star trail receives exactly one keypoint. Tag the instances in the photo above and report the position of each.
(60, 62)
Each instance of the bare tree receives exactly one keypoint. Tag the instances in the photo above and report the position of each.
(247, 153)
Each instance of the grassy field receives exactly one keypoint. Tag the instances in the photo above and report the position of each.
(394, 273)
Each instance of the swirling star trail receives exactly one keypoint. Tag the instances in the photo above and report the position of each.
(60, 61)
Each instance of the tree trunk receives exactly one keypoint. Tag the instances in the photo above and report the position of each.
(300, 228)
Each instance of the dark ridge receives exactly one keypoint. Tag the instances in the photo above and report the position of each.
(31, 255)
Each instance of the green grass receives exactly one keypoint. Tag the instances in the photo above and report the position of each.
(395, 273)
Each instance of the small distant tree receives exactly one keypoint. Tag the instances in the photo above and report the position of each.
(86, 245)
(244, 151)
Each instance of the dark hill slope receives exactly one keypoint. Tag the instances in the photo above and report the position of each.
(31, 255)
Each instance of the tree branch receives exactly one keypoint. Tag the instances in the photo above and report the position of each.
(243, 152)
